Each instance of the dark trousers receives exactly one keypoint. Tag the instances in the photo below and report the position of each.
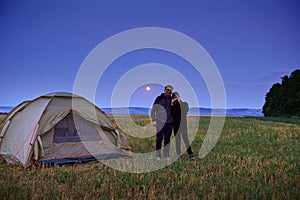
(181, 131)
(163, 133)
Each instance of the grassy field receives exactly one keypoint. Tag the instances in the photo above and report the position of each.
(253, 159)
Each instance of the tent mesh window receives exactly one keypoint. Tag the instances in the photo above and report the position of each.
(69, 131)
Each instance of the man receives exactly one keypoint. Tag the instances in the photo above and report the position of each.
(162, 120)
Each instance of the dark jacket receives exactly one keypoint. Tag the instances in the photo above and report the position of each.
(179, 111)
(161, 109)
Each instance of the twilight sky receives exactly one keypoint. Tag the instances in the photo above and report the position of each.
(43, 44)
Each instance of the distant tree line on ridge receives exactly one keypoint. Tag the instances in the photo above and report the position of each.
(283, 100)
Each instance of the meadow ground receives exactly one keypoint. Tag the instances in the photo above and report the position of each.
(253, 159)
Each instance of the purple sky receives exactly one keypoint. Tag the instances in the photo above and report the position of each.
(43, 43)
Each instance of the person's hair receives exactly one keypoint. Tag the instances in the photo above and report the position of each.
(169, 86)
(175, 94)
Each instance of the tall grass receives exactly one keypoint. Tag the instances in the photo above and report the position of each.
(253, 159)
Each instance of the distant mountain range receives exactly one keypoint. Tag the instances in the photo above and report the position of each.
(192, 111)
(238, 112)
(5, 109)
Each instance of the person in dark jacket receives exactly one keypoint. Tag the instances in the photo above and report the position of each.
(179, 111)
(163, 120)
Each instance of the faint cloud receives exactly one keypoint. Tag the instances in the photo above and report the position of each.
(275, 74)
(240, 84)
(2, 20)
(264, 79)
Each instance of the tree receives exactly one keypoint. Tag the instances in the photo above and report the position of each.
(283, 100)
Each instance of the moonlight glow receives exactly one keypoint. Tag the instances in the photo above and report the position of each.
(148, 88)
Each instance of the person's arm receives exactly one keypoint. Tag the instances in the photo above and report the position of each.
(154, 109)
(185, 108)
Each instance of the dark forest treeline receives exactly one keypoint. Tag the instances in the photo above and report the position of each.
(283, 100)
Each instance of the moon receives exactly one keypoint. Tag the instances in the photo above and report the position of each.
(148, 88)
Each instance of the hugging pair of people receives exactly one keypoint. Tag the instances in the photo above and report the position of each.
(169, 113)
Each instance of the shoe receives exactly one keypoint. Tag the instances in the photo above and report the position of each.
(167, 158)
(158, 158)
(192, 157)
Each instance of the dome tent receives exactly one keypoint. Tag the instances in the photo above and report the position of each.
(49, 129)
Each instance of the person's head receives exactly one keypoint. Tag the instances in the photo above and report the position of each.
(175, 95)
(168, 90)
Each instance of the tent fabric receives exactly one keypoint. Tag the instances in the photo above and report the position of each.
(20, 133)
(60, 127)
